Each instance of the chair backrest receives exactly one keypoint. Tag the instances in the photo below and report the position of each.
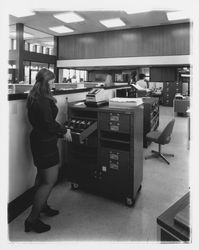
(165, 136)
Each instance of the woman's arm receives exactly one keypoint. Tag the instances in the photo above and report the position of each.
(46, 120)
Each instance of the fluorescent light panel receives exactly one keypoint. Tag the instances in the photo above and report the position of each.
(70, 17)
(177, 15)
(110, 23)
(135, 11)
(61, 29)
(50, 43)
(22, 13)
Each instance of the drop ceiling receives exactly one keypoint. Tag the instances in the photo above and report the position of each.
(42, 20)
(39, 24)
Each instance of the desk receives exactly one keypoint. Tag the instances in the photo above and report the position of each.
(168, 230)
(181, 105)
(157, 94)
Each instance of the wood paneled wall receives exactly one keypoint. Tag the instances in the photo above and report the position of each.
(38, 57)
(149, 41)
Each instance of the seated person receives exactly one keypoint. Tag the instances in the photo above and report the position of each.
(64, 80)
(74, 79)
(108, 81)
(142, 82)
(141, 86)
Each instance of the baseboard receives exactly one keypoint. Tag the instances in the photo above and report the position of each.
(20, 204)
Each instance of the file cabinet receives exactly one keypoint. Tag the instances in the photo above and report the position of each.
(169, 91)
(110, 160)
(121, 152)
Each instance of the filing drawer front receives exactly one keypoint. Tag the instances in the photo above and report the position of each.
(114, 121)
(114, 160)
(114, 175)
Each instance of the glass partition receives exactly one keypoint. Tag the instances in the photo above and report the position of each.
(12, 37)
(34, 40)
(73, 75)
(37, 41)
(31, 69)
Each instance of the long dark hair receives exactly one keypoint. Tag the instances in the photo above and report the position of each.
(41, 87)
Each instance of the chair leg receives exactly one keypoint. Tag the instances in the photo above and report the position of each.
(154, 155)
(151, 156)
(158, 153)
(155, 152)
(171, 155)
(164, 158)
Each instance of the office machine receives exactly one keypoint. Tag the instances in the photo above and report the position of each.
(96, 97)
(108, 156)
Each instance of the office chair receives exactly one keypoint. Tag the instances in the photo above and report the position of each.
(161, 138)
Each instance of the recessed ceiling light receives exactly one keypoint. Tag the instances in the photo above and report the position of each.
(22, 13)
(51, 43)
(135, 11)
(61, 29)
(70, 17)
(25, 35)
(110, 23)
(177, 15)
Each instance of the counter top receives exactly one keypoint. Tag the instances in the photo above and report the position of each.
(166, 219)
(22, 96)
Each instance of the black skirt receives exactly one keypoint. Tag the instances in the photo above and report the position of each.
(44, 150)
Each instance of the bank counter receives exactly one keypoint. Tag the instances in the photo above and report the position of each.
(21, 168)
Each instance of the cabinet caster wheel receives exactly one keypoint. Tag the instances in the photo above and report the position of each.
(74, 186)
(130, 202)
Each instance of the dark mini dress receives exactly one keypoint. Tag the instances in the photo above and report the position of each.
(45, 133)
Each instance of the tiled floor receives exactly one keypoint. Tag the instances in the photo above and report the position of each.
(88, 217)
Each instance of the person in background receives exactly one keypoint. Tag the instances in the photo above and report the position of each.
(68, 80)
(74, 79)
(142, 82)
(133, 77)
(42, 112)
(64, 80)
(108, 81)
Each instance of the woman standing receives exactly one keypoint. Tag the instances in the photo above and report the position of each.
(42, 112)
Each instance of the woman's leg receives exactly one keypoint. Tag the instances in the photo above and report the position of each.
(37, 180)
(47, 179)
(37, 183)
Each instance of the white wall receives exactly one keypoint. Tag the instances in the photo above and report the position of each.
(21, 168)
(125, 61)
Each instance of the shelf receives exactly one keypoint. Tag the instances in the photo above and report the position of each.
(155, 116)
(154, 125)
(115, 145)
(114, 140)
(83, 118)
(81, 136)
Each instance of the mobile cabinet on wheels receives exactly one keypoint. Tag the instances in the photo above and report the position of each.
(120, 133)
(110, 159)
(83, 150)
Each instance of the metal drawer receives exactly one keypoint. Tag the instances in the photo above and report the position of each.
(114, 121)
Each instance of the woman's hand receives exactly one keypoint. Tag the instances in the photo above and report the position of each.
(68, 136)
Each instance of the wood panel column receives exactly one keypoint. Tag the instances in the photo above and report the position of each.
(20, 51)
(56, 51)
